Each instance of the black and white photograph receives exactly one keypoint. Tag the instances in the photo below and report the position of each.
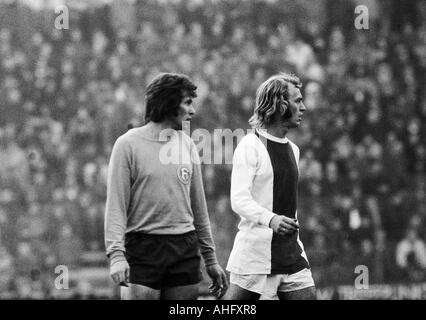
(223, 152)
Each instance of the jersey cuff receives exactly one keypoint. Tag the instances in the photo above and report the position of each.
(266, 217)
(210, 259)
(117, 256)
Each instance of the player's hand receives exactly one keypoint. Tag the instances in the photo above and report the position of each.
(220, 283)
(284, 225)
(119, 272)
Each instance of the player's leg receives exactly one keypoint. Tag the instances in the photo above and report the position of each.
(235, 292)
(188, 292)
(245, 286)
(302, 294)
(147, 259)
(139, 292)
(183, 274)
(297, 286)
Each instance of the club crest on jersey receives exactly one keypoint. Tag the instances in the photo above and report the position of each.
(184, 174)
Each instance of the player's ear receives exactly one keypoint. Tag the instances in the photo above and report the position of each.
(283, 107)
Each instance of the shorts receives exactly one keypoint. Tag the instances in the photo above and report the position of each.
(163, 261)
(269, 284)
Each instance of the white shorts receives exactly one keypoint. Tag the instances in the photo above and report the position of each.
(268, 285)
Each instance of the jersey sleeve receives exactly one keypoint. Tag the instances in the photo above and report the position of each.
(245, 167)
(199, 209)
(118, 196)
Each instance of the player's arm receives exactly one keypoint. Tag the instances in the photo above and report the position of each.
(245, 167)
(118, 195)
(203, 229)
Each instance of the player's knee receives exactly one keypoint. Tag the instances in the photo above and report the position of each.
(235, 292)
(308, 294)
(189, 292)
(139, 292)
(314, 293)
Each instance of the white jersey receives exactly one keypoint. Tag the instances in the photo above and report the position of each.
(263, 184)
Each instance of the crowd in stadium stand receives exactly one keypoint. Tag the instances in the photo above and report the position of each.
(66, 95)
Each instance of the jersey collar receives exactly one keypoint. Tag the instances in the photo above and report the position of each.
(271, 137)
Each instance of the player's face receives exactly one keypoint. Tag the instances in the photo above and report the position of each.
(296, 105)
(185, 113)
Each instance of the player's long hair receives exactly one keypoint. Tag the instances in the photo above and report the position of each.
(270, 95)
(164, 95)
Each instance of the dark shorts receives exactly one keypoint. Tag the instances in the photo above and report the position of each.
(162, 261)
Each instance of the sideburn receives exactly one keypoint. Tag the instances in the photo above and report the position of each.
(287, 114)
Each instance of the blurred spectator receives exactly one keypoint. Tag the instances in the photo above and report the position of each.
(411, 256)
(68, 248)
(14, 168)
